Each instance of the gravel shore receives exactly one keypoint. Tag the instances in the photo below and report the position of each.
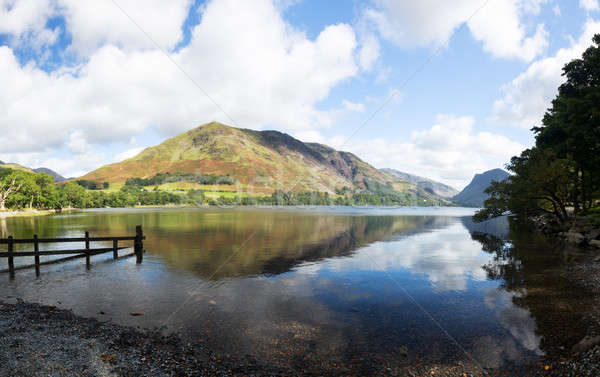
(37, 340)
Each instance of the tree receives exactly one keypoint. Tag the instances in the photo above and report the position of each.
(10, 183)
(73, 195)
(563, 169)
(541, 183)
(571, 127)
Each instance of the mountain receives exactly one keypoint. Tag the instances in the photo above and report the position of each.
(473, 195)
(13, 166)
(57, 177)
(427, 184)
(260, 162)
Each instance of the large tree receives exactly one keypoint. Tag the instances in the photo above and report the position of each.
(10, 184)
(571, 127)
(563, 169)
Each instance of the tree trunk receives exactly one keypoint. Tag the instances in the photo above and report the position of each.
(31, 202)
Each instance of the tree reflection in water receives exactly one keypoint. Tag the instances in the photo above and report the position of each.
(529, 268)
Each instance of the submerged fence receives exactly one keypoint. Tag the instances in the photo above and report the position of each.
(87, 252)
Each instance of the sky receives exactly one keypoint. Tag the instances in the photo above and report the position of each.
(441, 89)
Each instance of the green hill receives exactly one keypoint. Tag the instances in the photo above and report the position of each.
(258, 163)
(14, 166)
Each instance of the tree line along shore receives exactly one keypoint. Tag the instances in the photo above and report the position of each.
(21, 190)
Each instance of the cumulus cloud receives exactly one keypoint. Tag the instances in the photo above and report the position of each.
(451, 151)
(108, 22)
(369, 51)
(497, 24)
(527, 97)
(269, 74)
(127, 154)
(589, 5)
(25, 22)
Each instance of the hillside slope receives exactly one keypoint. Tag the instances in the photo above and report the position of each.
(473, 195)
(57, 177)
(13, 166)
(427, 184)
(258, 161)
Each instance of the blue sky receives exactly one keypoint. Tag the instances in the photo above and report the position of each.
(435, 88)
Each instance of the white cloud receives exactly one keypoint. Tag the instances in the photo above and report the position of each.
(589, 5)
(527, 97)
(127, 154)
(352, 106)
(20, 17)
(108, 22)
(556, 10)
(497, 24)
(25, 22)
(269, 74)
(369, 51)
(450, 151)
(310, 136)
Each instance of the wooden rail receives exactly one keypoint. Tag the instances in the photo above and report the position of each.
(87, 252)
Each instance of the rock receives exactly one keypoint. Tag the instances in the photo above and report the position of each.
(576, 238)
(586, 343)
(595, 243)
(594, 234)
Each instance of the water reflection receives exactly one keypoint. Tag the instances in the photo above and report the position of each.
(297, 287)
(547, 311)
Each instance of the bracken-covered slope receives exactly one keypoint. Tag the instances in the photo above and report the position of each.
(259, 161)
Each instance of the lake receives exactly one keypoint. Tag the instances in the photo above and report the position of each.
(338, 285)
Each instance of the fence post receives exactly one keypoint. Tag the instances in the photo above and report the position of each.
(87, 250)
(36, 250)
(115, 249)
(138, 244)
(11, 262)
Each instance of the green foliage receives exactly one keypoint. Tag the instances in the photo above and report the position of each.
(203, 179)
(563, 169)
(91, 185)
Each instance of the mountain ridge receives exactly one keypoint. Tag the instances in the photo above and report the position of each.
(437, 188)
(473, 194)
(260, 162)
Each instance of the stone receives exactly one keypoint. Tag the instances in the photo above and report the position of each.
(576, 238)
(586, 343)
(595, 243)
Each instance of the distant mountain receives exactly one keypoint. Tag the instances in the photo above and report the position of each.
(57, 177)
(260, 162)
(427, 184)
(473, 195)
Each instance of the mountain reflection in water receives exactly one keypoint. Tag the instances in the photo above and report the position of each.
(298, 286)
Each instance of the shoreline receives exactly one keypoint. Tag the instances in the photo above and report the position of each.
(40, 340)
(28, 213)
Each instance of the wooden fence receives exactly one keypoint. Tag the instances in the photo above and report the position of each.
(87, 252)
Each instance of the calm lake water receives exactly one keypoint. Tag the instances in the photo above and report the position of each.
(404, 285)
